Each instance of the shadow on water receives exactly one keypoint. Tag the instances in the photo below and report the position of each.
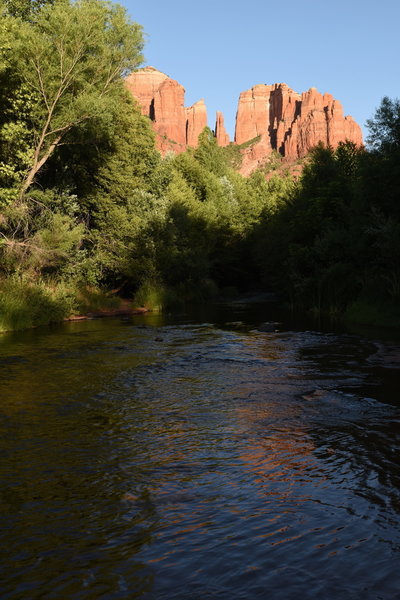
(198, 456)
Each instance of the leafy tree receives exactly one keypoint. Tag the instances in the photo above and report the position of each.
(16, 135)
(106, 166)
(384, 127)
(209, 154)
(381, 168)
(25, 9)
(39, 237)
(71, 57)
(185, 241)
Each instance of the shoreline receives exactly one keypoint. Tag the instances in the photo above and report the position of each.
(121, 311)
(109, 312)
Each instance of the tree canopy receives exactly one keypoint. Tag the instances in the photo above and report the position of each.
(69, 62)
(384, 127)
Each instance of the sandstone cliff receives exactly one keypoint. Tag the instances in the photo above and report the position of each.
(274, 116)
(291, 123)
(143, 85)
(162, 100)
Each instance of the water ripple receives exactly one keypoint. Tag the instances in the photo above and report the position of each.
(178, 460)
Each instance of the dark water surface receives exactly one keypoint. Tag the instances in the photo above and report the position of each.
(174, 458)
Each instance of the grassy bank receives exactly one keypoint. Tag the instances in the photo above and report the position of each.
(25, 304)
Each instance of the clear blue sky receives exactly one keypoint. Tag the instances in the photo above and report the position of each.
(216, 49)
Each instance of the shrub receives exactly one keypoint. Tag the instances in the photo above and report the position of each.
(24, 304)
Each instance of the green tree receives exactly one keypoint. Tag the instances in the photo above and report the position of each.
(26, 9)
(71, 57)
(381, 168)
(209, 154)
(384, 127)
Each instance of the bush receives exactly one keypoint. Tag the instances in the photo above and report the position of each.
(150, 295)
(24, 304)
(91, 299)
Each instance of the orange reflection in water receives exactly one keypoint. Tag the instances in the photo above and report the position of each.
(282, 460)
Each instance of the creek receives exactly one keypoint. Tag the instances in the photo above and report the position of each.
(196, 457)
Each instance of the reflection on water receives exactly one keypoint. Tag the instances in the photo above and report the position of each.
(163, 458)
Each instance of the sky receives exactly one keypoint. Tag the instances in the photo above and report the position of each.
(217, 49)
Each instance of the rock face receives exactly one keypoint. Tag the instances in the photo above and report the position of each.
(196, 120)
(293, 123)
(220, 131)
(143, 85)
(162, 100)
(252, 117)
(274, 117)
(169, 115)
(254, 156)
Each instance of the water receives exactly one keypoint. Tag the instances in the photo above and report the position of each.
(178, 458)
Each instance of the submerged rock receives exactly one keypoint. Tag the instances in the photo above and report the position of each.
(315, 394)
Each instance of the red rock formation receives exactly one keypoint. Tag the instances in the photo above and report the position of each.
(282, 119)
(253, 118)
(170, 115)
(320, 119)
(162, 100)
(292, 123)
(255, 155)
(340, 128)
(196, 120)
(143, 85)
(220, 131)
(266, 109)
(309, 128)
(284, 107)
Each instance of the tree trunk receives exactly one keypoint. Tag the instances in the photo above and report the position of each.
(38, 164)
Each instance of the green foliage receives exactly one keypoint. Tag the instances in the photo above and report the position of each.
(381, 168)
(71, 57)
(273, 162)
(90, 300)
(128, 156)
(25, 304)
(25, 9)
(151, 295)
(334, 239)
(16, 135)
(384, 128)
(184, 241)
(365, 312)
(209, 155)
(38, 238)
(233, 152)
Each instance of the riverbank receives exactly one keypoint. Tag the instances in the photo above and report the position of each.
(125, 309)
(25, 304)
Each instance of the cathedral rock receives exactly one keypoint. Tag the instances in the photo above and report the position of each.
(162, 100)
(289, 123)
(274, 116)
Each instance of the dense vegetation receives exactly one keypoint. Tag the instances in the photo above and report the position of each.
(88, 207)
